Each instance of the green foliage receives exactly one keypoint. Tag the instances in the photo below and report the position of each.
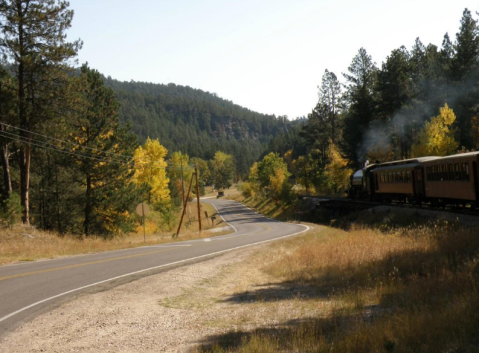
(271, 165)
(247, 189)
(196, 122)
(223, 170)
(34, 44)
(108, 196)
(11, 210)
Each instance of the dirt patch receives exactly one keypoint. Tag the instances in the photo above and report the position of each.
(174, 311)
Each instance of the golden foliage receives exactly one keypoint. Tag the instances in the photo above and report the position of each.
(336, 171)
(150, 169)
(277, 180)
(437, 136)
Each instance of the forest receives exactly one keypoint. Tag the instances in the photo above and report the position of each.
(195, 122)
(421, 101)
(79, 150)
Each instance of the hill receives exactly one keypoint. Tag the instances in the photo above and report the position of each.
(196, 122)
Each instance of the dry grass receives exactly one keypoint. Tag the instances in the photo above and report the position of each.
(413, 289)
(29, 244)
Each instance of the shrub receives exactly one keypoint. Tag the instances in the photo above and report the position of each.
(247, 189)
(11, 210)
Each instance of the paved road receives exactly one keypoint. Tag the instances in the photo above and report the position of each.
(28, 289)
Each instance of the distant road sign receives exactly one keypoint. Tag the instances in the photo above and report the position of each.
(142, 209)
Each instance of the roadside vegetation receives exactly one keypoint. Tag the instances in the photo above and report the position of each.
(25, 243)
(377, 287)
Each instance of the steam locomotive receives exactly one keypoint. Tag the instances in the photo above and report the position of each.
(439, 181)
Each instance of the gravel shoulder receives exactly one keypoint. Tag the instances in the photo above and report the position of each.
(173, 311)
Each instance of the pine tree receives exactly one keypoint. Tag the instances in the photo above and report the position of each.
(105, 175)
(34, 41)
(466, 46)
(330, 98)
(360, 97)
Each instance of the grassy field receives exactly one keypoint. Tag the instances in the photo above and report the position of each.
(380, 286)
(29, 244)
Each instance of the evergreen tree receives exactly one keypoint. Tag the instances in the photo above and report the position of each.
(361, 102)
(466, 46)
(105, 146)
(34, 41)
(330, 99)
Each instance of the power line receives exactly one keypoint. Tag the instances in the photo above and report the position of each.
(54, 147)
(63, 141)
(46, 145)
(101, 159)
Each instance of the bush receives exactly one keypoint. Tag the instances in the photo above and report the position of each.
(11, 210)
(247, 189)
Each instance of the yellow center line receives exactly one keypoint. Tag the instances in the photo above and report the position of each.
(267, 229)
(82, 264)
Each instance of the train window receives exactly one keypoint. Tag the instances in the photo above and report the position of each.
(403, 177)
(408, 176)
(456, 172)
(436, 173)
(396, 177)
(450, 173)
(466, 171)
(428, 173)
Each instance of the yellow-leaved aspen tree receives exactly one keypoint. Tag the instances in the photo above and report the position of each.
(150, 169)
(336, 171)
(437, 136)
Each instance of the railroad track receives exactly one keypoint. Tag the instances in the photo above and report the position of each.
(345, 205)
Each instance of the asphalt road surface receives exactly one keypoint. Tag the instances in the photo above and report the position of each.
(28, 289)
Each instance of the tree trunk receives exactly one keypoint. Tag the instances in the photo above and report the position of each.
(7, 179)
(25, 155)
(25, 150)
(86, 223)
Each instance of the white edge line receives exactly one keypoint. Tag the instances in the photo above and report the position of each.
(148, 269)
(236, 231)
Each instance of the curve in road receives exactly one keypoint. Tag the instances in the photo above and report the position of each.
(30, 288)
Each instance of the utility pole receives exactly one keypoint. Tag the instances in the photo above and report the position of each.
(184, 207)
(182, 182)
(198, 196)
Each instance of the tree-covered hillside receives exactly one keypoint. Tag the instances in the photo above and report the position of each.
(196, 122)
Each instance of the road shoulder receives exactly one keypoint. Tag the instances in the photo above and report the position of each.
(172, 311)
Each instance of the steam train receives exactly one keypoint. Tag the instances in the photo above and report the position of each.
(439, 181)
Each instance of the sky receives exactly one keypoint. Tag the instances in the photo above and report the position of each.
(266, 55)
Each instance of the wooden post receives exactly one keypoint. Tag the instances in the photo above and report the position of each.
(183, 200)
(198, 196)
(184, 207)
(144, 230)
